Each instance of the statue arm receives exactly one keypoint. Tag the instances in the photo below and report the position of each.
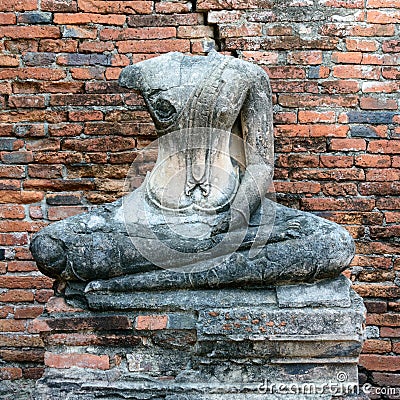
(257, 130)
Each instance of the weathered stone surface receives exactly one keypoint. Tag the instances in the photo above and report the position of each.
(330, 292)
(199, 211)
(202, 345)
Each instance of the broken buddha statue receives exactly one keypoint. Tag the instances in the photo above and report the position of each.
(203, 217)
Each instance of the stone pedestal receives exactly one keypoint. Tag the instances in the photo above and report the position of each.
(292, 342)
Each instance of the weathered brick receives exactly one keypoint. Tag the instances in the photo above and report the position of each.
(10, 373)
(117, 7)
(384, 146)
(151, 322)
(171, 7)
(62, 212)
(7, 18)
(70, 360)
(87, 18)
(375, 362)
(18, 5)
(27, 32)
(9, 61)
(361, 44)
(17, 295)
(70, 31)
(155, 20)
(151, 46)
(377, 346)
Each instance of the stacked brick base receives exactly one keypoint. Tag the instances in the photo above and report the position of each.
(205, 345)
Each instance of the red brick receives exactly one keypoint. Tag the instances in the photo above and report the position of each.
(95, 47)
(385, 175)
(99, 144)
(36, 212)
(300, 100)
(43, 295)
(388, 319)
(16, 295)
(316, 116)
(392, 217)
(285, 117)
(361, 45)
(26, 101)
(348, 144)
(376, 290)
(373, 161)
(28, 312)
(328, 161)
(151, 46)
(9, 61)
(343, 3)
(70, 360)
(62, 212)
(7, 19)
(59, 5)
(9, 325)
(383, 17)
(22, 355)
(87, 18)
(81, 116)
(151, 322)
(18, 5)
(377, 346)
(383, 4)
(10, 373)
(28, 32)
(380, 87)
(59, 305)
(247, 29)
(351, 204)
(189, 32)
(26, 282)
(21, 266)
(297, 187)
(390, 332)
(384, 146)
(391, 46)
(377, 103)
(12, 211)
(391, 73)
(356, 71)
(266, 57)
(339, 189)
(58, 45)
(32, 73)
(206, 5)
(339, 86)
(224, 16)
(138, 33)
(45, 171)
(88, 73)
(376, 306)
(5, 88)
(33, 373)
(380, 363)
(117, 7)
(166, 7)
(347, 58)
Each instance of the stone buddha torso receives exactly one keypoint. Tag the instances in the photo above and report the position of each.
(200, 213)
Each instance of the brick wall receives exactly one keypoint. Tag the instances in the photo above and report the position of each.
(68, 133)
